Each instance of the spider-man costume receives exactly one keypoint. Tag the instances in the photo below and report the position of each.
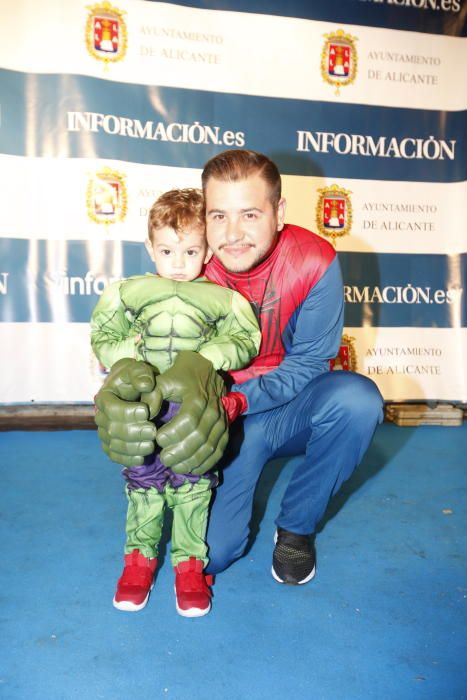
(294, 404)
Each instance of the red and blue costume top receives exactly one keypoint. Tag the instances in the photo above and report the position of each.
(298, 296)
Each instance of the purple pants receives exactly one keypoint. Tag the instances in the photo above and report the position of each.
(155, 474)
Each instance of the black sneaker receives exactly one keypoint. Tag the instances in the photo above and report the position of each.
(293, 560)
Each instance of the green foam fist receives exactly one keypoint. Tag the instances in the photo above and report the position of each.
(126, 402)
(195, 439)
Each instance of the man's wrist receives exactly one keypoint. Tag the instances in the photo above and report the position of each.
(235, 403)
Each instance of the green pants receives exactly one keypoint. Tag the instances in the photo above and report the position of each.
(145, 517)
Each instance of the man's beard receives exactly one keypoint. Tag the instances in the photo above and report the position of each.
(255, 257)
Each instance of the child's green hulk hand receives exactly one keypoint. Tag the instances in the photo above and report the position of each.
(126, 433)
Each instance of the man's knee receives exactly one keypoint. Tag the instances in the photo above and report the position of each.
(223, 554)
(365, 400)
(353, 397)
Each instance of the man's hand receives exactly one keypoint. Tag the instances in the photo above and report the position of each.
(124, 404)
(195, 439)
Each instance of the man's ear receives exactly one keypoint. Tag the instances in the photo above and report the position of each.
(281, 207)
(149, 248)
(208, 256)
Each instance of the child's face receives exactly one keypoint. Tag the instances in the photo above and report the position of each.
(179, 257)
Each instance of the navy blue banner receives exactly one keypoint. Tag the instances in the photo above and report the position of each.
(379, 289)
(68, 293)
(390, 289)
(82, 117)
(431, 16)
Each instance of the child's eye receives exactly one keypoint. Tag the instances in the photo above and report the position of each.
(165, 251)
(192, 252)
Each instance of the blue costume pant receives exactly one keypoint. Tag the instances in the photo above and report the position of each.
(331, 422)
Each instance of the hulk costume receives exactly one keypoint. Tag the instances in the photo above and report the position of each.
(153, 319)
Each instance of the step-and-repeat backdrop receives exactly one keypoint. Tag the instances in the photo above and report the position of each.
(361, 104)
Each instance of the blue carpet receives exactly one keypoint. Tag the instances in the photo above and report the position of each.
(384, 618)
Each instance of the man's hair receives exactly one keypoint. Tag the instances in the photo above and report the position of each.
(179, 209)
(231, 166)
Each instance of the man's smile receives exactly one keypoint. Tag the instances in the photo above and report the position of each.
(236, 250)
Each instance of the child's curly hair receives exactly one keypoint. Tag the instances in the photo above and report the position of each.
(179, 209)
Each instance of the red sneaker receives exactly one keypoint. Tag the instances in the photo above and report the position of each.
(135, 583)
(192, 592)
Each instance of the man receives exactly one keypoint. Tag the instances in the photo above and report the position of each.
(289, 401)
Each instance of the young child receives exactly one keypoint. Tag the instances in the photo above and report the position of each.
(152, 318)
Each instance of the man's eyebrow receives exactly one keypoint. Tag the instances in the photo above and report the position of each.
(242, 211)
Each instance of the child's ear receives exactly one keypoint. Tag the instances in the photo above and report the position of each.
(208, 256)
(149, 248)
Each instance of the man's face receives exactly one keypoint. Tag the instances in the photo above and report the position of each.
(242, 224)
(178, 257)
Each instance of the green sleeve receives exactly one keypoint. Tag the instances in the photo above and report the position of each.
(112, 333)
(238, 337)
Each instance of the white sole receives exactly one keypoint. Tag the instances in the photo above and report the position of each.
(299, 583)
(128, 606)
(192, 612)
